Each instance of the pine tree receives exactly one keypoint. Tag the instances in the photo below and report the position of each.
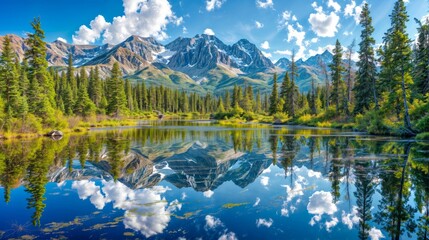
(95, 89)
(236, 97)
(396, 63)
(293, 88)
(220, 107)
(23, 79)
(83, 106)
(227, 101)
(42, 97)
(129, 95)
(144, 97)
(337, 70)
(367, 73)
(350, 78)
(71, 78)
(421, 61)
(9, 75)
(326, 93)
(258, 102)
(284, 91)
(274, 98)
(116, 95)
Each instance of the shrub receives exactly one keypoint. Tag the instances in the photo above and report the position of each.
(32, 124)
(423, 136)
(281, 117)
(423, 124)
(306, 118)
(373, 122)
(324, 124)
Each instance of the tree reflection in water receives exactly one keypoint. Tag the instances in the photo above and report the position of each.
(357, 168)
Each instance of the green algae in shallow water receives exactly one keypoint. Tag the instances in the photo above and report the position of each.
(25, 237)
(99, 226)
(154, 203)
(186, 215)
(233, 205)
(128, 234)
(56, 226)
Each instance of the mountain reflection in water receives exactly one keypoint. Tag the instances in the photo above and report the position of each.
(198, 179)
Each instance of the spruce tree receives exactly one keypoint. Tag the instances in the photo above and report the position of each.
(284, 91)
(421, 60)
(83, 105)
(115, 92)
(348, 100)
(274, 98)
(227, 101)
(258, 102)
(337, 70)
(71, 78)
(292, 98)
(144, 97)
(9, 79)
(396, 63)
(42, 97)
(367, 72)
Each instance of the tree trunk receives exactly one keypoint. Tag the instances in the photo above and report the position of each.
(401, 189)
(407, 121)
(374, 93)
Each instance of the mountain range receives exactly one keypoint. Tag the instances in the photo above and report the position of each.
(201, 63)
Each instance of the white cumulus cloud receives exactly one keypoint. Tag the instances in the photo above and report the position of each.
(264, 4)
(284, 52)
(89, 35)
(375, 234)
(298, 36)
(212, 222)
(331, 224)
(208, 194)
(350, 218)
(209, 31)
(336, 6)
(146, 18)
(321, 202)
(228, 236)
(264, 179)
(264, 222)
(145, 209)
(352, 10)
(265, 45)
(259, 24)
(87, 189)
(212, 4)
(324, 25)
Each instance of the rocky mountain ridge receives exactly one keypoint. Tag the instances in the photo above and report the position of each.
(201, 63)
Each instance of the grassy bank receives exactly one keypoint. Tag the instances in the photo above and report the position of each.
(32, 127)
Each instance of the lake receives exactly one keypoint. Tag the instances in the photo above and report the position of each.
(201, 180)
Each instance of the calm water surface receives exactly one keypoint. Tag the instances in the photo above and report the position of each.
(199, 180)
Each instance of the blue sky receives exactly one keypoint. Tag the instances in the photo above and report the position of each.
(276, 26)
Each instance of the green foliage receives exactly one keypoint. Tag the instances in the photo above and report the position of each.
(337, 70)
(367, 72)
(423, 136)
(373, 122)
(116, 94)
(275, 107)
(423, 124)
